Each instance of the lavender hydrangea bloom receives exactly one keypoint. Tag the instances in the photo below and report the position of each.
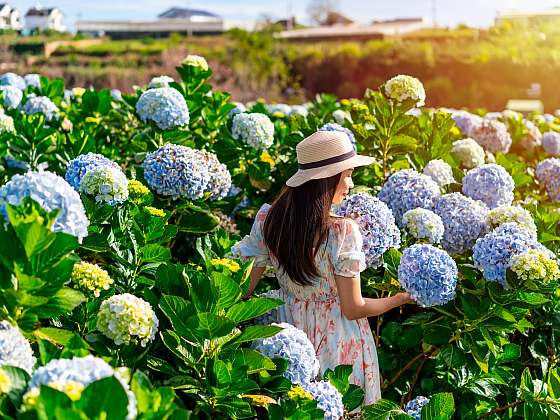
(548, 169)
(51, 192)
(424, 225)
(492, 135)
(15, 350)
(466, 121)
(551, 143)
(219, 182)
(533, 138)
(41, 105)
(164, 106)
(11, 95)
(489, 183)
(376, 223)
(254, 129)
(406, 190)
(429, 274)
(440, 172)
(328, 398)
(464, 221)
(12, 79)
(293, 345)
(414, 407)
(77, 168)
(338, 127)
(33, 79)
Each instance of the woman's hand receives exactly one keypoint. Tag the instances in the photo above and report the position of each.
(402, 298)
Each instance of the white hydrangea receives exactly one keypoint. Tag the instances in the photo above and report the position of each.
(339, 116)
(254, 129)
(160, 82)
(402, 88)
(6, 124)
(195, 61)
(107, 184)
(440, 172)
(15, 350)
(468, 152)
(512, 214)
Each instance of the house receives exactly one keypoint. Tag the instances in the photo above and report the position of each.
(10, 18)
(175, 20)
(528, 18)
(39, 19)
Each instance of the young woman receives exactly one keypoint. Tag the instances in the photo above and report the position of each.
(318, 257)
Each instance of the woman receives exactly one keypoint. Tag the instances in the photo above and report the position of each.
(318, 257)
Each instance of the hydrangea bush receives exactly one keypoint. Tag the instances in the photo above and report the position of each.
(78, 167)
(41, 105)
(12, 79)
(492, 135)
(405, 88)
(11, 95)
(512, 214)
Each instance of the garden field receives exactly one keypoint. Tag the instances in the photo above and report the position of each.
(122, 291)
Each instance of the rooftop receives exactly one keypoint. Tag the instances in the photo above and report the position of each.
(180, 13)
(40, 11)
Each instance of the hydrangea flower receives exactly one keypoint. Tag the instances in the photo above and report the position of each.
(239, 109)
(466, 121)
(548, 174)
(299, 110)
(293, 345)
(195, 61)
(272, 315)
(551, 143)
(219, 182)
(160, 82)
(90, 278)
(254, 129)
(424, 224)
(339, 116)
(41, 105)
(338, 127)
(489, 183)
(464, 221)
(12, 79)
(11, 95)
(376, 223)
(493, 253)
(15, 350)
(468, 152)
(298, 393)
(6, 124)
(533, 138)
(414, 407)
(402, 88)
(154, 211)
(51, 192)
(107, 184)
(65, 374)
(492, 135)
(116, 94)
(406, 190)
(429, 274)
(78, 167)
(164, 106)
(33, 79)
(280, 108)
(126, 318)
(535, 265)
(440, 172)
(512, 214)
(138, 193)
(328, 398)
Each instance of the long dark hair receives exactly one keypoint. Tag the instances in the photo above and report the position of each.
(297, 224)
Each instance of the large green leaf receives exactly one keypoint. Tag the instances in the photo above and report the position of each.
(154, 253)
(554, 383)
(254, 332)
(253, 360)
(385, 410)
(61, 303)
(252, 308)
(228, 290)
(453, 356)
(177, 309)
(54, 335)
(207, 326)
(105, 398)
(440, 407)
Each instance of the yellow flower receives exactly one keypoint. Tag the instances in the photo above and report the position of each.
(535, 265)
(78, 91)
(138, 193)
(265, 157)
(155, 211)
(298, 393)
(344, 102)
(71, 388)
(30, 398)
(5, 383)
(90, 277)
(231, 265)
(278, 114)
(260, 400)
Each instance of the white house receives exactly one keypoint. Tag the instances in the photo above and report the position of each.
(44, 18)
(10, 18)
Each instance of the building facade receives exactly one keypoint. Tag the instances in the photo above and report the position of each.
(39, 19)
(10, 18)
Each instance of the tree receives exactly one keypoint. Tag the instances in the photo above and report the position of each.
(318, 10)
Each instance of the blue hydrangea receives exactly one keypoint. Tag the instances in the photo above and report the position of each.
(77, 168)
(41, 105)
(164, 106)
(338, 127)
(414, 407)
(254, 129)
(160, 82)
(547, 170)
(406, 190)
(328, 398)
(116, 94)
(424, 225)
(33, 79)
(299, 110)
(272, 315)
(15, 350)
(107, 184)
(551, 143)
(51, 192)
(439, 171)
(280, 108)
(293, 345)
(429, 274)
(234, 190)
(239, 109)
(11, 95)
(489, 183)
(493, 253)
(464, 221)
(466, 121)
(82, 370)
(492, 135)
(219, 182)
(376, 223)
(12, 79)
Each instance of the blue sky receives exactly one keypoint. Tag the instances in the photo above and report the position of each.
(450, 12)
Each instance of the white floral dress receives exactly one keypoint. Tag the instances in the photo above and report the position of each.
(316, 309)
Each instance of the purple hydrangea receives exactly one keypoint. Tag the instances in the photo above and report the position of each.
(414, 407)
(77, 168)
(533, 138)
(489, 183)
(11, 95)
(328, 398)
(12, 79)
(165, 106)
(338, 127)
(548, 174)
(219, 182)
(466, 121)
(551, 143)
(492, 135)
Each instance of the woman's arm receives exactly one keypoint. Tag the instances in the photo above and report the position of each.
(256, 274)
(354, 306)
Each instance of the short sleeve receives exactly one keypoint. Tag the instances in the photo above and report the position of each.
(346, 249)
(252, 245)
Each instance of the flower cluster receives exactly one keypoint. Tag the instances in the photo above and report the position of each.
(535, 265)
(12, 79)
(51, 192)
(6, 124)
(468, 152)
(466, 121)
(339, 116)
(254, 129)
(293, 345)
(272, 315)
(376, 223)
(41, 105)
(78, 167)
(403, 88)
(298, 393)
(219, 182)
(338, 127)
(33, 79)
(11, 96)
(239, 109)
(492, 135)
(283, 109)
(429, 274)
(160, 82)
(107, 184)
(116, 95)
(548, 174)
(165, 106)
(551, 143)
(424, 225)
(414, 407)
(90, 277)
(15, 350)
(154, 211)
(489, 183)
(440, 172)
(533, 138)
(231, 265)
(328, 398)
(464, 221)
(512, 214)
(138, 193)
(299, 110)
(126, 318)
(195, 61)
(406, 190)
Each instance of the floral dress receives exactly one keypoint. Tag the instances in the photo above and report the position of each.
(316, 309)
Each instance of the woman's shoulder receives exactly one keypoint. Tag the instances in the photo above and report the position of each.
(262, 213)
(344, 225)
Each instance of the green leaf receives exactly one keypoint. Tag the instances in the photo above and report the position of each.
(105, 398)
(207, 326)
(554, 383)
(252, 308)
(253, 360)
(483, 387)
(228, 290)
(177, 310)
(154, 253)
(385, 410)
(440, 407)
(453, 356)
(54, 335)
(142, 389)
(527, 386)
(254, 332)
(510, 352)
(18, 382)
(61, 303)
(353, 397)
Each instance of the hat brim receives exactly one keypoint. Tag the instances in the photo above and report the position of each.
(304, 175)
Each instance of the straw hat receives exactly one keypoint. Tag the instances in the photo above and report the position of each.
(324, 154)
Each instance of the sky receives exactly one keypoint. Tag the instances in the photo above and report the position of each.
(478, 13)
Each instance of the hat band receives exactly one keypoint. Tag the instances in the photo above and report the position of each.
(328, 161)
